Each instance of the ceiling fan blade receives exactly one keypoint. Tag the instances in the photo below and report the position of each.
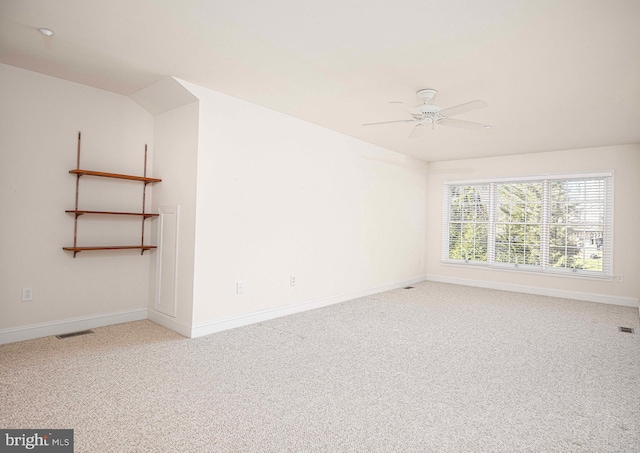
(461, 123)
(463, 108)
(389, 122)
(407, 108)
(418, 131)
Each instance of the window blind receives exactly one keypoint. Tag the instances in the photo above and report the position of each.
(559, 224)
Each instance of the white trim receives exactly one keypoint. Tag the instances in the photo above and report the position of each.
(272, 313)
(610, 200)
(507, 267)
(543, 265)
(536, 177)
(588, 297)
(169, 322)
(34, 331)
(63, 326)
(173, 255)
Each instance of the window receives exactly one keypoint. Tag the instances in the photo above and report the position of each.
(560, 224)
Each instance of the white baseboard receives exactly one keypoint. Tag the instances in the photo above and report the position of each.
(33, 331)
(265, 315)
(63, 326)
(169, 322)
(588, 297)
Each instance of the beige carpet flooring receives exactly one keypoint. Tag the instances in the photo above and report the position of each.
(437, 368)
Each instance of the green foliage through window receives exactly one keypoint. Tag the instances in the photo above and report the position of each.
(546, 224)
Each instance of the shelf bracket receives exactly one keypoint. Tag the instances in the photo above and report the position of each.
(144, 197)
(75, 224)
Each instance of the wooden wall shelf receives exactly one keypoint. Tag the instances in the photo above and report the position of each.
(103, 174)
(110, 247)
(78, 212)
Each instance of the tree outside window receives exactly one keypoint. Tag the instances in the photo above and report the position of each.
(557, 224)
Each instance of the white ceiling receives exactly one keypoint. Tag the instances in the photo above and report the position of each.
(557, 74)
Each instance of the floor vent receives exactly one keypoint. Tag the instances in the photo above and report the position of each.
(409, 287)
(626, 329)
(73, 334)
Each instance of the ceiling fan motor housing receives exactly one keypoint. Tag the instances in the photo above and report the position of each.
(428, 108)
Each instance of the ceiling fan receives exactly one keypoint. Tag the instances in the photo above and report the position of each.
(427, 114)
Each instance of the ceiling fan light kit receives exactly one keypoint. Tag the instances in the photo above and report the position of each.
(427, 113)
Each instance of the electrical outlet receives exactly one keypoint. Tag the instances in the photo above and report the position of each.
(240, 288)
(27, 294)
(292, 281)
(619, 278)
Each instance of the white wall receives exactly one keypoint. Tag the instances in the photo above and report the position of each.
(262, 197)
(176, 158)
(623, 160)
(40, 117)
(277, 197)
(257, 204)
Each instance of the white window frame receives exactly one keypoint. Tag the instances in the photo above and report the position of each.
(545, 224)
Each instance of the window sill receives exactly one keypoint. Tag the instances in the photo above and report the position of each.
(527, 270)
